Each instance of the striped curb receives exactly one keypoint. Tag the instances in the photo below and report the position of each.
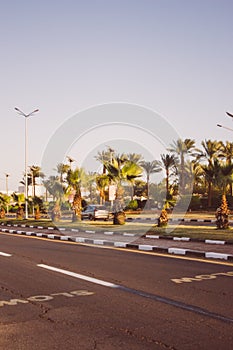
(141, 247)
(181, 219)
(188, 239)
(127, 234)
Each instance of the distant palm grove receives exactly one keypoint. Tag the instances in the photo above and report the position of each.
(126, 181)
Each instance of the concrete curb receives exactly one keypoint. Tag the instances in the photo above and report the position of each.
(188, 239)
(108, 233)
(140, 247)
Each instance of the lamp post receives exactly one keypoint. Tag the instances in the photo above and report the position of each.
(7, 175)
(70, 160)
(26, 116)
(7, 207)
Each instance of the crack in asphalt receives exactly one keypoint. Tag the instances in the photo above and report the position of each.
(147, 339)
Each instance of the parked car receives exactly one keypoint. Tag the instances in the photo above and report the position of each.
(94, 212)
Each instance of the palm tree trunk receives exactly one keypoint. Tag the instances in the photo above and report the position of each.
(209, 194)
(167, 182)
(77, 206)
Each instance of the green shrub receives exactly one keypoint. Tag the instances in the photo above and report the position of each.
(132, 205)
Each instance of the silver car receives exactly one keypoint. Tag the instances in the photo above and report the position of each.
(94, 212)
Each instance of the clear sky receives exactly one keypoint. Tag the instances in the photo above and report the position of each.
(63, 56)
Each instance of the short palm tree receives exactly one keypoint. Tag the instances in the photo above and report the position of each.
(57, 191)
(121, 170)
(74, 179)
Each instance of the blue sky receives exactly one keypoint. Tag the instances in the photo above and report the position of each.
(172, 56)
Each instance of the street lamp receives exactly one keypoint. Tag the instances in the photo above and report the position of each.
(224, 127)
(229, 114)
(70, 160)
(7, 207)
(7, 175)
(26, 116)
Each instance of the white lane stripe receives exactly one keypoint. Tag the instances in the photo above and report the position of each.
(77, 275)
(5, 254)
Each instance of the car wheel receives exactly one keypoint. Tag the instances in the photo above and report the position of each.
(91, 217)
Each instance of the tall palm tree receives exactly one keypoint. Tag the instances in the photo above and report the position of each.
(150, 168)
(90, 184)
(182, 149)
(102, 181)
(74, 180)
(134, 158)
(211, 151)
(227, 153)
(62, 170)
(35, 173)
(105, 156)
(168, 163)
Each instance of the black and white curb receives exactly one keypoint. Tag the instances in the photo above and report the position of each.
(188, 239)
(126, 234)
(140, 247)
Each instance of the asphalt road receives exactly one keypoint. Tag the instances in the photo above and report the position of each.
(63, 295)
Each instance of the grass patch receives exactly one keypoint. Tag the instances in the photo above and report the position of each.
(197, 232)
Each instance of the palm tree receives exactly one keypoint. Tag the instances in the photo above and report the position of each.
(222, 175)
(121, 170)
(62, 170)
(211, 151)
(35, 173)
(102, 181)
(227, 153)
(134, 158)
(105, 156)
(182, 149)
(57, 190)
(168, 163)
(150, 168)
(74, 180)
(90, 184)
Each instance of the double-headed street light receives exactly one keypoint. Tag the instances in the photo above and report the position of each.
(26, 116)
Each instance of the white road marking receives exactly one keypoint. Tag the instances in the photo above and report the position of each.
(5, 254)
(77, 275)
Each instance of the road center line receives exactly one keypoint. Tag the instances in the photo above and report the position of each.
(157, 298)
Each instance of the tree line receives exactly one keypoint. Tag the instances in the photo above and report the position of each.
(206, 171)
